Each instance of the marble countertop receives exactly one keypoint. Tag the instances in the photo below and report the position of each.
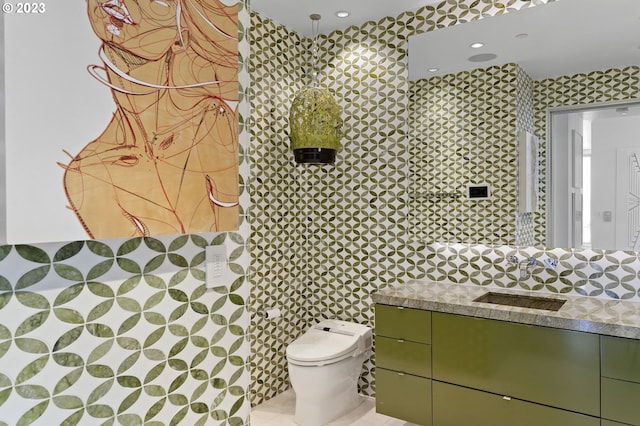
(589, 314)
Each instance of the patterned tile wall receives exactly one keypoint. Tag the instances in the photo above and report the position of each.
(125, 331)
(281, 266)
(598, 273)
(465, 125)
(326, 237)
(364, 241)
(601, 273)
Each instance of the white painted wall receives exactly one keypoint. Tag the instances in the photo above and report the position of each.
(52, 105)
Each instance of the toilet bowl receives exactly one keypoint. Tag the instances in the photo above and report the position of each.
(324, 367)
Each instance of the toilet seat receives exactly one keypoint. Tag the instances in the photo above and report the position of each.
(324, 365)
(328, 342)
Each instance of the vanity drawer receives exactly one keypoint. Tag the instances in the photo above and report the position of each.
(403, 323)
(457, 406)
(620, 358)
(558, 368)
(403, 356)
(621, 401)
(403, 396)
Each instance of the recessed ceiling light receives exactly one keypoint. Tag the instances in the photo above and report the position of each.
(522, 35)
(476, 45)
(433, 69)
(342, 14)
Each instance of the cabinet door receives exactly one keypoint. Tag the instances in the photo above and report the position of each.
(458, 406)
(403, 396)
(403, 323)
(621, 401)
(621, 358)
(559, 368)
(403, 356)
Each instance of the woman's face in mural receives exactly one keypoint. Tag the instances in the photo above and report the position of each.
(145, 28)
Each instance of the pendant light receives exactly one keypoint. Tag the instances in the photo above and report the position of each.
(315, 117)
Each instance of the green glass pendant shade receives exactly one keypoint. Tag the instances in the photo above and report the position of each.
(315, 126)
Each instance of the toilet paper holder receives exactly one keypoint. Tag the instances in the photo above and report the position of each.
(269, 312)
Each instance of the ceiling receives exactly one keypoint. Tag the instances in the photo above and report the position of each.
(563, 37)
(294, 14)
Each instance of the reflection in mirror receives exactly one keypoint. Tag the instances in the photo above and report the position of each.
(466, 118)
(595, 177)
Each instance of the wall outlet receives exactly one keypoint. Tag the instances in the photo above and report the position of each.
(550, 263)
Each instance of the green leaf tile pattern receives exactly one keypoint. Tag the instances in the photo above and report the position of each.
(463, 129)
(149, 344)
(280, 266)
(324, 238)
(124, 332)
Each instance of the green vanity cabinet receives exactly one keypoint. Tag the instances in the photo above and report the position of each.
(403, 396)
(621, 380)
(409, 324)
(406, 357)
(443, 369)
(403, 363)
(457, 406)
(558, 368)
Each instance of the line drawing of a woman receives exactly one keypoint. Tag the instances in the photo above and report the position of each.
(167, 162)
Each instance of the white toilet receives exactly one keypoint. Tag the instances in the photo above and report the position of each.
(324, 367)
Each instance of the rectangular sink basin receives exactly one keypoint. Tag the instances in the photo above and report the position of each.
(521, 301)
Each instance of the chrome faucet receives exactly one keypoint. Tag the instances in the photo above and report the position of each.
(522, 265)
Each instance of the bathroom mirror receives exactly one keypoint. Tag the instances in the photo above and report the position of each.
(472, 107)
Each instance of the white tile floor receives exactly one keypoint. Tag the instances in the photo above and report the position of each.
(279, 412)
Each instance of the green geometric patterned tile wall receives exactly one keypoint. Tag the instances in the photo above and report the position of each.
(585, 272)
(525, 232)
(601, 273)
(464, 128)
(280, 264)
(122, 332)
(360, 237)
(325, 238)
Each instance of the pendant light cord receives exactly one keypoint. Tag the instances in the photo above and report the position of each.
(315, 28)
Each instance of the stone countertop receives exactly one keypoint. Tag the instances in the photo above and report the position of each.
(588, 314)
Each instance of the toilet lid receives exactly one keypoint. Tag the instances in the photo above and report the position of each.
(322, 342)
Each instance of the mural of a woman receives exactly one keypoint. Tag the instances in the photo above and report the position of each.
(168, 160)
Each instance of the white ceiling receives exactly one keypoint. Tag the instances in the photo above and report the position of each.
(564, 37)
(294, 14)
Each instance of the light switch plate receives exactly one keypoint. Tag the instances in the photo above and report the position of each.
(217, 268)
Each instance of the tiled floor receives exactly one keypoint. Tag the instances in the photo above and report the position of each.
(279, 412)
